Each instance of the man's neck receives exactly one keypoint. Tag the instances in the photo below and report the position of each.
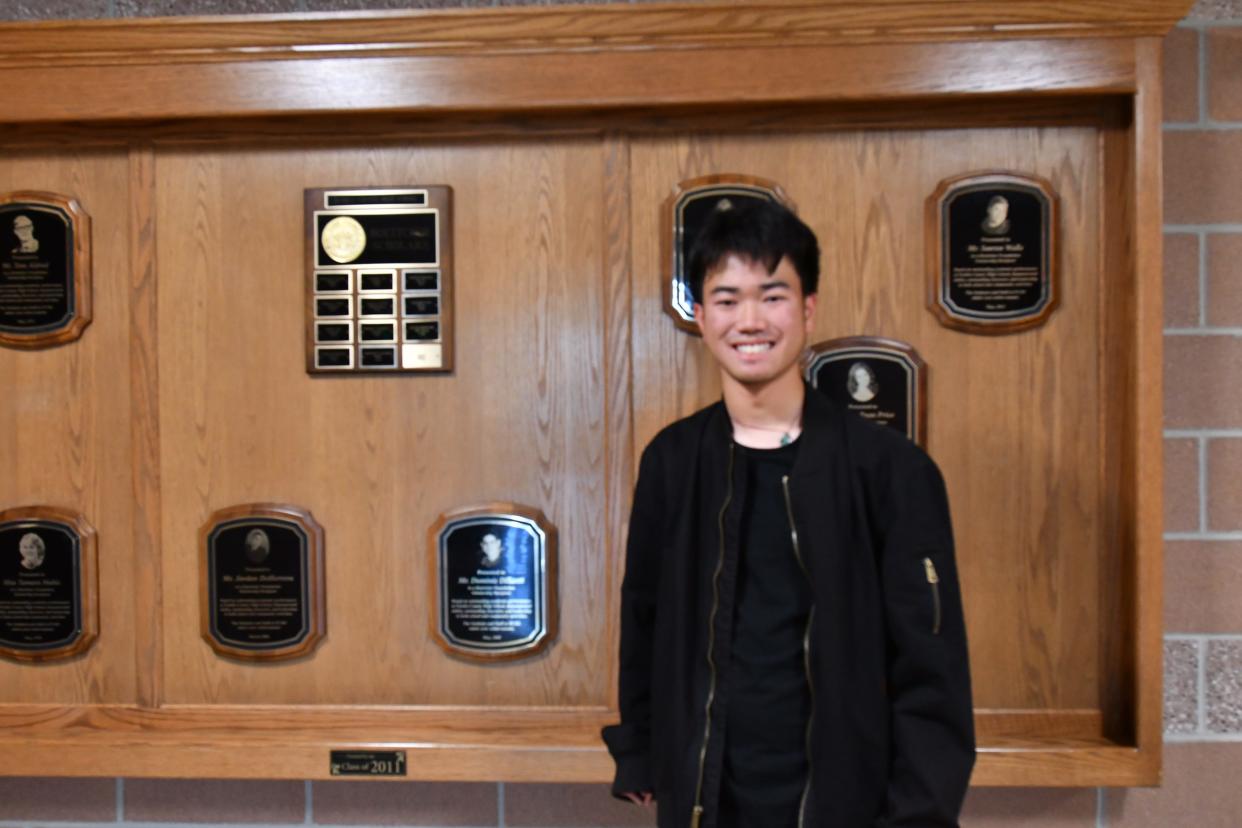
(773, 405)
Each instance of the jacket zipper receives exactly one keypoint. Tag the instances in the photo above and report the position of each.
(934, 581)
(806, 649)
(697, 813)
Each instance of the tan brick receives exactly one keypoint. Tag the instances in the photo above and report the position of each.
(1202, 586)
(57, 800)
(1216, 10)
(1224, 279)
(1181, 686)
(1200, 789)
(563, 806)
(404, 803)
(1181, 485)
(214, 800)
(1042, 807)
(53, 9)
(1203, 176)
(1203, 381)
(1223, 694)
(1181, 280)
(1224, 88)
(1224, 484)
(1181, 75)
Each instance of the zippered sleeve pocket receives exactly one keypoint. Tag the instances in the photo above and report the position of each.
(933, 584)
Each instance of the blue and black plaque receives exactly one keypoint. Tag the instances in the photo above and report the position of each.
(495, 581)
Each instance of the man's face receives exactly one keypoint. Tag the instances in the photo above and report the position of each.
(491, 547)
(27, 547)
(754, 323)
(997, 211)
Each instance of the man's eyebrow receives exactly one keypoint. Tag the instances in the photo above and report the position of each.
(723, 289)
(773, 284)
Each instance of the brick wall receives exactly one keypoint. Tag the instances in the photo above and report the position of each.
(1203, 524)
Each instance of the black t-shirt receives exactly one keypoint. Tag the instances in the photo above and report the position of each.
(769, 702)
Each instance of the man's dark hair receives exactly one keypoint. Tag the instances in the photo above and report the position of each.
(760, 231)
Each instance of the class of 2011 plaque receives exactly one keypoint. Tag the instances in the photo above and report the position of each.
(992, 252)
(493, 577)
(882, 380)
(263, 582)
(45, 269)
(685, 212)
(379, 280)
(48, 591)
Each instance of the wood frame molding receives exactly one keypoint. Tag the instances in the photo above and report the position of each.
(608, 71)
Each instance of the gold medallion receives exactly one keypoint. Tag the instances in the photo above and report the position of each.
(343, 239)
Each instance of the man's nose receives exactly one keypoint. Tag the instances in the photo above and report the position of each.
(749, 317)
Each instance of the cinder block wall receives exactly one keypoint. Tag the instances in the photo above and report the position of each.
(1203, 523)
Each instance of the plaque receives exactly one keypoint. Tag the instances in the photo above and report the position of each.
(366, 763)
(262, 582)
(48, 590)
(45, 262)
(377, 257)
(685, 212)
(882, 380)
(493, 576)
(992, 252)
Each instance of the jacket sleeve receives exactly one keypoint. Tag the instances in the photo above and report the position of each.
(630, 741)
(932, 724)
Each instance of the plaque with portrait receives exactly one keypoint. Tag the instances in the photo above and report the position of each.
(45, 269)
(379, 280)
(685, 212)
(493, 579)
(49, 605)
(262, 582)
(881, 380)
(992, 252)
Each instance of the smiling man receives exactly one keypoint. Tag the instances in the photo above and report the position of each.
(793, 651)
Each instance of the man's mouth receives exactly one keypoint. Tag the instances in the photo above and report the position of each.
(753, 347)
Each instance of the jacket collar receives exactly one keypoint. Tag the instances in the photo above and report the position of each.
(821, 432)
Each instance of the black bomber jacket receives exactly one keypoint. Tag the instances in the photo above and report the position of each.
(891, 736)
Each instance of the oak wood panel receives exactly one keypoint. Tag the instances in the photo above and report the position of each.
(377, 458)
(684, 25)
(567, 80)
(955, 113)
(144, 393)
(64, 429)
(1012, 420)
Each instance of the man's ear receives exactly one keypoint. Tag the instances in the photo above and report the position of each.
(808, 310)
(698, 316)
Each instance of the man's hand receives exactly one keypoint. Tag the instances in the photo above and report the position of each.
(643, 798)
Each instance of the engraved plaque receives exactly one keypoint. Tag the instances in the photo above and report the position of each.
(493, 571)
(375, 258)
(684, 214)
(263, 582)
(48, 593)
(992, 247)
(45, 285)
(367, 763)
(882, 380)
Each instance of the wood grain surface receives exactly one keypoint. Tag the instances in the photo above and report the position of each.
(561, 132)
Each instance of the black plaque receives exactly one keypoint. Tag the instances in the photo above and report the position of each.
(367, 763)
(881, 380)
(263, 582)
(380, 253)
(40, 586)
(994, 269)
(494, 574)
(685, 213)
(44, 289)
(47, 601)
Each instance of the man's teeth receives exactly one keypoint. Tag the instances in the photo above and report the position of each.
(754, 349)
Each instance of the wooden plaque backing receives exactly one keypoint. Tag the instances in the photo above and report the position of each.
(81, 272)
(89, 568)
(317, 617)
(550, 584)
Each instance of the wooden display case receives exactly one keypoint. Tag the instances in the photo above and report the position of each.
(562, 131)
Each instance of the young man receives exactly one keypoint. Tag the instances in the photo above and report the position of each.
(793, 651)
